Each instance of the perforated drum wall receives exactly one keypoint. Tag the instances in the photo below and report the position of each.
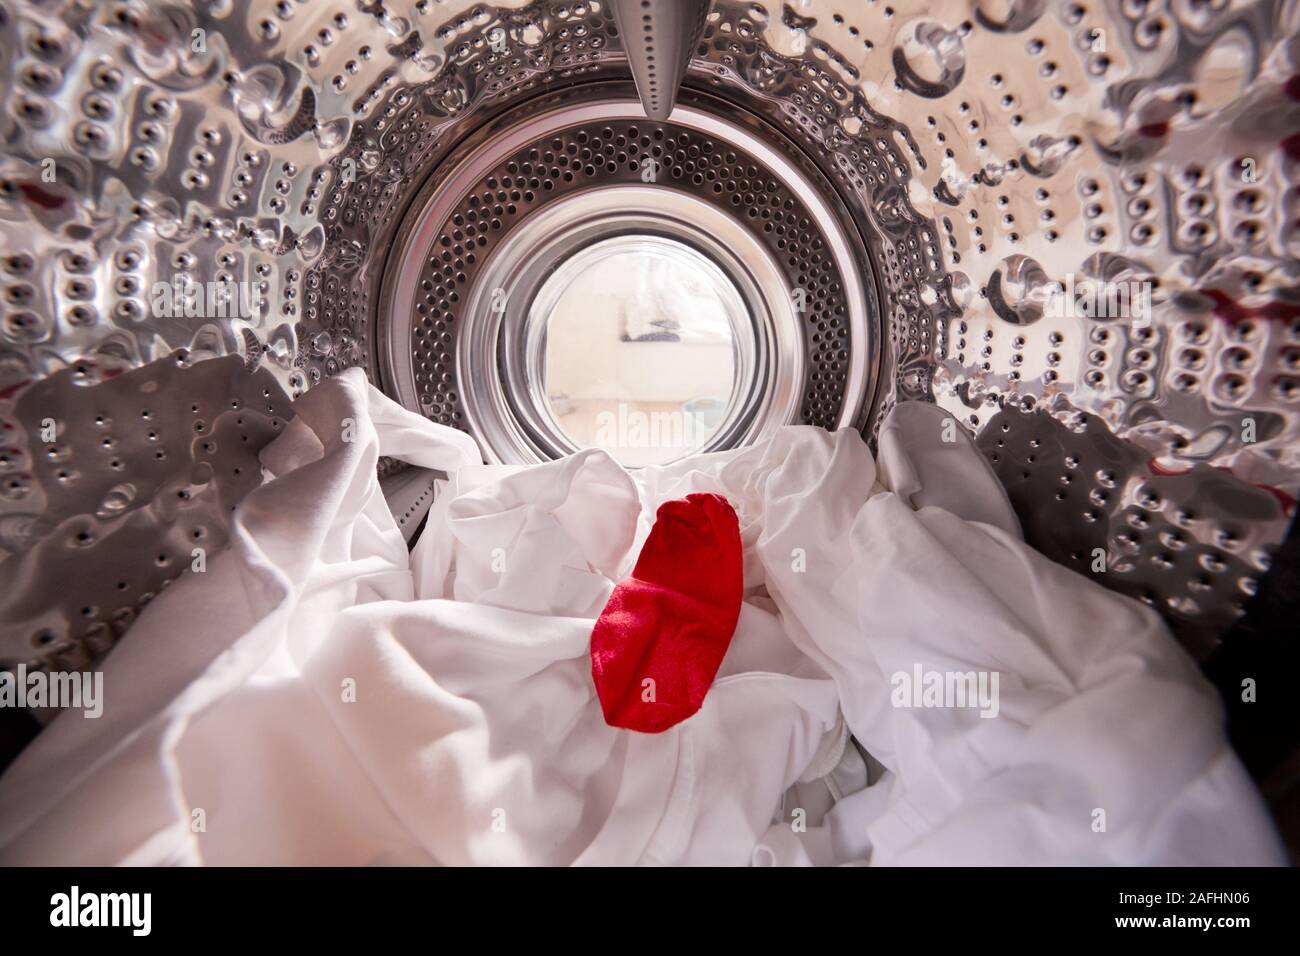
(970, 158)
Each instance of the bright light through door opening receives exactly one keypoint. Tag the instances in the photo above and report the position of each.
(642, 336)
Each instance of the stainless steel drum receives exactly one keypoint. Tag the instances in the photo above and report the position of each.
(1073, 225)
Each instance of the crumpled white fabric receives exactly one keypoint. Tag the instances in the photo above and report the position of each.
(474, 737)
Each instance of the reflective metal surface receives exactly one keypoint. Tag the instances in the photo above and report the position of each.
(972, 156)
(664, 36)
(134, 488)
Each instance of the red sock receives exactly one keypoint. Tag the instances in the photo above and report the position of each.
(659, 642)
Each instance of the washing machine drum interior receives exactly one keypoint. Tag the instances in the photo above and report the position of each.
(659, 229)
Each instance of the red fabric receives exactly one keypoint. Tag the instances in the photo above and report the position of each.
(672, 620)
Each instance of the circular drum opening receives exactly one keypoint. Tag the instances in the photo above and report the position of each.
(645, 347)
(588, 278)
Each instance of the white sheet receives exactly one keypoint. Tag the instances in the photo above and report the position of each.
(475, 735)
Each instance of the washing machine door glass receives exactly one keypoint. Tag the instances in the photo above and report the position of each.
(644, 344)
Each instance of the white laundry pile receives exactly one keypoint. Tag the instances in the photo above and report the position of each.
(315, 697)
